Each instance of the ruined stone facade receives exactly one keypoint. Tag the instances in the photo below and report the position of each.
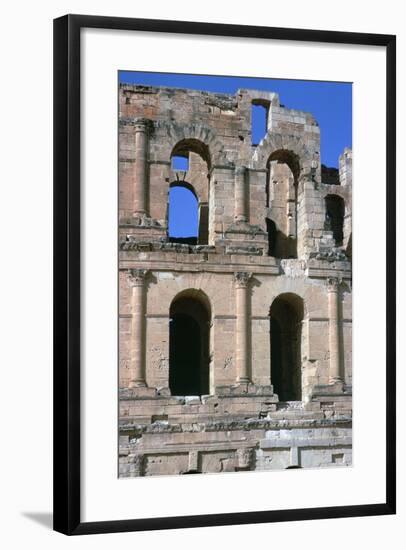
(235, 346)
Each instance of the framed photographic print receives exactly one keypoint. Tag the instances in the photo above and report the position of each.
(224, 202)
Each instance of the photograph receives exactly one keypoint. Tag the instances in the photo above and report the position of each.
(234, 274)
(205, 353)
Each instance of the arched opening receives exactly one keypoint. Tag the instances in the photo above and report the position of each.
(183, 215)
(286, 315)
(335, 209)
(186, 146)
(190, 160)
(189, 337)
(281, 197)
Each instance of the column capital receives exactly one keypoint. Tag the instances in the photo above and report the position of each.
(136, 277)
(333, 284)
(241, 279)
(142, 124)
(244, 457)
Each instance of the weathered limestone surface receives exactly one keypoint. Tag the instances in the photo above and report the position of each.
(270, 269)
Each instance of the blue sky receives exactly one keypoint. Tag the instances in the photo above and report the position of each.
(329, 102)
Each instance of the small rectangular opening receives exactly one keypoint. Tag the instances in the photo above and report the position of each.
(180, 163)
(259, 122)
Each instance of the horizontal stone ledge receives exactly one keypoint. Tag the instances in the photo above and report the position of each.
(233, 425)
(259, 170)
(157, 316)
(225, 317)
(246, 390)
(224, 410)
(335, 390)
(324, 273)
(173, 415)
(199, 267)
(199, 446)
(193, 267)
(161, 162)
(159, 401)
(222, 167)
(260, 317)
(147, 226)
(162, 398)
(157, 247)
(273, 443)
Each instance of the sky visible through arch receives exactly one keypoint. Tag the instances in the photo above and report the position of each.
(329, 102)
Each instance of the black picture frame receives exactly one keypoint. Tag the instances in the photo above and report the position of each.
(67, 296)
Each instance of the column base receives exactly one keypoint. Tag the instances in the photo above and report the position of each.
(139, 219)
(334, 388)
(337, 384)
(142, 391)
(144, 220)
(137, 384)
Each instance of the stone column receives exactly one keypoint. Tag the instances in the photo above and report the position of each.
(240, 199)
(241, 280)
(140, 169)
(333, 289)
(136, 279)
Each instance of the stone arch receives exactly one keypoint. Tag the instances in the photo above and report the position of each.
(198, 175)
(288, 157)
(336, 190)
(198, 135)
(298, 157)
(185, 185)
(189, 343)
(304, 165)
(286, 315)
(187, 145)
(283, 167)
(282, 197)
(195, 294)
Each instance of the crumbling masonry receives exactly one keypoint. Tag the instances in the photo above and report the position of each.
(235, 346)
